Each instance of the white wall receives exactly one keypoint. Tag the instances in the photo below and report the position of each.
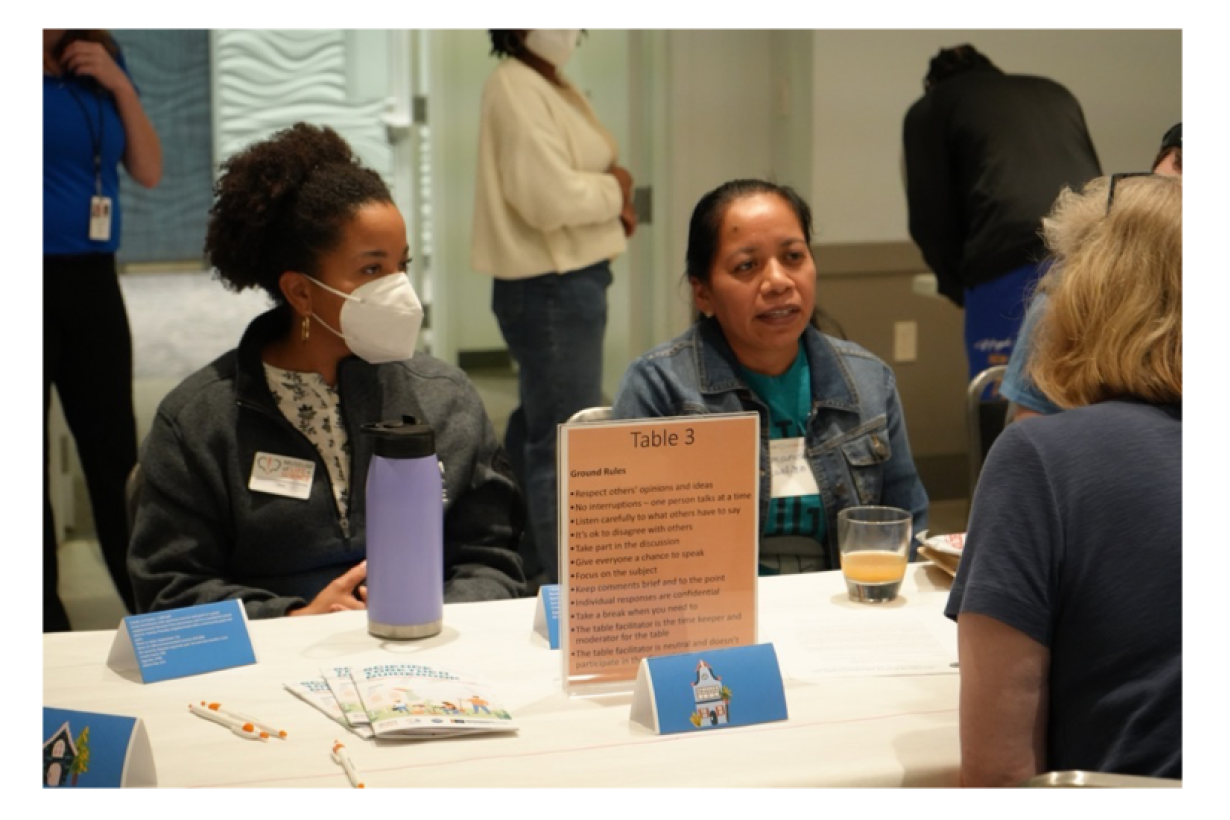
(460, 64)
(718, 86)
(792, 104)
(267, 79)
(820, 110)
(1128, 82)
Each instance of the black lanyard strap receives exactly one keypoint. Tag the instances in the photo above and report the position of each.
(96, 140)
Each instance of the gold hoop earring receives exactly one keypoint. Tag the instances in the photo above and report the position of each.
(306, 329)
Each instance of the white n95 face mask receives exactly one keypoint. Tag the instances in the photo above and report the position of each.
(380, 319)
(555, 45)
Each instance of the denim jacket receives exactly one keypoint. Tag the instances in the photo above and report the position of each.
(856, 439)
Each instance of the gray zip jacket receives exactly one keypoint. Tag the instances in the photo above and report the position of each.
(201, 535)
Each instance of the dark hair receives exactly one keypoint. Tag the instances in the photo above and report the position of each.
(280, 203)
(89, 35)
(706, 226)
(950, 62)
(504, 43)
(1172, 143)
(707, 216)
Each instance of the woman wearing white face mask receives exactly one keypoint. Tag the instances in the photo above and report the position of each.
(254, 470)
(552, 207)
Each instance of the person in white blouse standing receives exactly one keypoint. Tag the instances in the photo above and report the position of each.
(552, 207)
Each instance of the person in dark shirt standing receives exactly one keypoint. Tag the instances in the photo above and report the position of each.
(986, 153)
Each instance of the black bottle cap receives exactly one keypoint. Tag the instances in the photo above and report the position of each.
(401, 438)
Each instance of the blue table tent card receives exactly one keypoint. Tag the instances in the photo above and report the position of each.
(93, 750)
(178, 643)
(700, 691)
(546, 614)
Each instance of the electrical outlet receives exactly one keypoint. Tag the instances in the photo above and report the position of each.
(905, 341)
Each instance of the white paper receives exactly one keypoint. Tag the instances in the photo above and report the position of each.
(316, 692)
(792, 475)
(540, 617)
(868, 640)
(139, 768)
(338, 680)
(122, 657)
(644, 706)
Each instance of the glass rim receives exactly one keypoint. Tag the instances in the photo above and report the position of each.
(848, 513)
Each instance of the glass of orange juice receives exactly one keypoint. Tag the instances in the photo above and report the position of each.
(875, 544)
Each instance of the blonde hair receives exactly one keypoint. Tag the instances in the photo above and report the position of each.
(1113, 327)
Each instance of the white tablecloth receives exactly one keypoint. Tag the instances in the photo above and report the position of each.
(846, 727)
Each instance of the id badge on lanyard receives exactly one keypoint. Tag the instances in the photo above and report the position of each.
(100, 218)
(100, 206)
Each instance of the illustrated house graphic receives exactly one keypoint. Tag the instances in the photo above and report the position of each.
(707, 690)
(59, 753)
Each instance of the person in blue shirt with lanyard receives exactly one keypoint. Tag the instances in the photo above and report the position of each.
(833, 432)
(92, 122)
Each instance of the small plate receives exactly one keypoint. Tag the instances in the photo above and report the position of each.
(951, 544)
(948, 563)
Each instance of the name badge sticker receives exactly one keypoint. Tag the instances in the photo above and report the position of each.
(282, 475)
(792, 475)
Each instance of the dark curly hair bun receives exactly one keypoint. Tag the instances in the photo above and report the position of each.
(282, 202)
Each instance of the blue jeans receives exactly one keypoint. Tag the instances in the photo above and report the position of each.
(553, 325)
(994, 311)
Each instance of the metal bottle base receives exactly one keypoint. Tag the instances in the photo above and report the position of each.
(405, 633)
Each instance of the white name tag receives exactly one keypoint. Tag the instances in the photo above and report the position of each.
(100, 218)
(282, 475)
(792, 474)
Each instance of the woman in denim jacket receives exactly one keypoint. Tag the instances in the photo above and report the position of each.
(823, 402)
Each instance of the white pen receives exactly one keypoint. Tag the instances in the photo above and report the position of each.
(241, 728)
(342, 757)
(259, 724)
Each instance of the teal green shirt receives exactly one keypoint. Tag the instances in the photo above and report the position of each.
(788, 398)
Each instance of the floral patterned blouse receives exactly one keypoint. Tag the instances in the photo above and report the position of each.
(314, 408)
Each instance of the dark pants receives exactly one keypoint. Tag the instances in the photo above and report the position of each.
(87, 357)
(994, 311)
(554, 325)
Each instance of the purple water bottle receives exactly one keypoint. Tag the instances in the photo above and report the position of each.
(405, 531)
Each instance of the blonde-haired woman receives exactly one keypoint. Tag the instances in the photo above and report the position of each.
(1068, 599)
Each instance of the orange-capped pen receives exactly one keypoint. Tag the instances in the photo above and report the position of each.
(259, 724)
(242, 728)
(341, 756)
